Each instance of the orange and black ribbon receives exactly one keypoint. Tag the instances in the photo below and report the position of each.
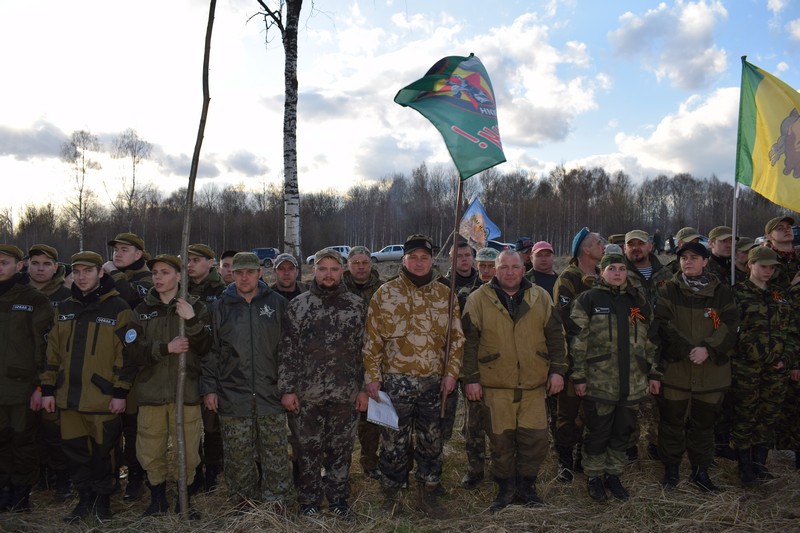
(714, 316)
(636, 313)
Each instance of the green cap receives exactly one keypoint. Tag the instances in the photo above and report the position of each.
(128, 238)
(202, 250)
(636, 234)
(87, 259)
(172, 260)
(43, 249)
(611, 259)
(763, 255)
(245, 260)
(13, 251)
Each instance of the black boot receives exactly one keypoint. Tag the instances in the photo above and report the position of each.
(526, 492)
(652, 451)
(597, 490)
(63, 486)
(159, 506)
(614, 486)
(700, 478)
(505, 494)
(722, 447)
(428, 502)
(212, 472)
(760, 454)
(20, 499)
(671, 478)
(199, 483)
(5, 499)
(44, 473)
(632, 454)
(135, 486)
(84, 507)
(579, 458)
(471, 480)
(102, 507)
(797, 459)
(746, 472)
(565, 464)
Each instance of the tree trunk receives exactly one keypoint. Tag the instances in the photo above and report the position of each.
(291, 190)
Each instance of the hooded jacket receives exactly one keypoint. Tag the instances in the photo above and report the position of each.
(366, 290)
(55, 289)
(242, 365)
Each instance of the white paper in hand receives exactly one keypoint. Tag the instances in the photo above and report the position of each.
(382, 413)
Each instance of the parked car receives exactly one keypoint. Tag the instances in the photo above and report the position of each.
(342, 249)
(393, 252)
(266, 255)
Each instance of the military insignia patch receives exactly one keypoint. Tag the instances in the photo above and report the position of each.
(130, 336)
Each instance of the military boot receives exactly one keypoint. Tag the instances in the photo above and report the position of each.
(159, 506)
(135, 486)
(614, 486)
(471, 480)
(102, 508)
(428, 501)
(526, 492)
(63, 486)
(5, 499)
(760, 454)
(700, 478)
(20, 502)
(199, 483)
(84, 507)
(722, 446)
(746, 472)
(212, 472)
(565, 464)
(596, 489)
(578, 459)
(392, 502)
(671, 478)
(505, 494)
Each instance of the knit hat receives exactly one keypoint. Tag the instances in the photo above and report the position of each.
(611, 259)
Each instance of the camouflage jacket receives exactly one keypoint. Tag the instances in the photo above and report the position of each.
(299, 288)
(321, 346)
(87, 365)
(613, 353)
(209, 289)
(133, 282)
(364, 291)
(55, 289)
(464, 285)
(661, 273)
(767, 326)
(720, 267)
(242, 365)
(156, 324)
(688, 319)
(407, 330)
(570, 284)
(517, 352)
(787, 269)
(25, 318)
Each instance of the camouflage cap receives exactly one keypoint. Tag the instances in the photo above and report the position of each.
(43, 249)
(775, 221)
(687, 234)
(327, 252)
(720, 233)
(11, 250)
(611, 259)
(202, 250)
(172, 260)
(87, 259)
(763, 255)
(283, 258)
(636, 234)
(245, 261)
(358, 250)
(487, 254)
(745, 244)
(128, 238)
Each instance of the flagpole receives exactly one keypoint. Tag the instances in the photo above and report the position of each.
(451, 303)
(735, 224)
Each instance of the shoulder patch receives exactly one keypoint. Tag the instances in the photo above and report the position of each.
(564, 301)
(107, 321)
(142, 290)
(601, 311)
(130, 336)
(63, 318)
(22, 307)
(145, 316)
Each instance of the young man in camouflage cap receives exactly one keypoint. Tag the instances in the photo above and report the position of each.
(321, 377)
(287, 275)
(25, 319)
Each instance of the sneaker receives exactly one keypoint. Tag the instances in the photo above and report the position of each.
(342, 510)
(614, 486)
(597, 491)
(309, 510)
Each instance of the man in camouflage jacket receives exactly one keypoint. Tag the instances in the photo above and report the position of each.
(321, 378)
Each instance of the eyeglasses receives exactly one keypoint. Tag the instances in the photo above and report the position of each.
(359, 263)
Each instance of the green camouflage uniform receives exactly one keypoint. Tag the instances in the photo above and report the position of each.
(767, 336)
(614, 356)
(321, 363)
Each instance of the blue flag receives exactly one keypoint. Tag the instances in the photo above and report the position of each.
(476, 226)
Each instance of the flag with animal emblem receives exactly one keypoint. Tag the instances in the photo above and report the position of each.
(768, 145)
(476, 226)
(456, 96)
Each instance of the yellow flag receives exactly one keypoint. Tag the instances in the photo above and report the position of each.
(768, 145)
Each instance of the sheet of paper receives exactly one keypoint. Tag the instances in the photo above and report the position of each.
(382, 413)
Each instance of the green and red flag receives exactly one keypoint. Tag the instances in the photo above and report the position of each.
(456, 95)
(768, 144)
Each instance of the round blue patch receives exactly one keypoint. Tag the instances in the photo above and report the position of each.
(130, 336)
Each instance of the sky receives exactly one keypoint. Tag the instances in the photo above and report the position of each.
(640, 86)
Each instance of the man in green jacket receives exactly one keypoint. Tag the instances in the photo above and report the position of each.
(25, 318)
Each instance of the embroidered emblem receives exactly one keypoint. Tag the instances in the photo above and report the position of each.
(266, 311)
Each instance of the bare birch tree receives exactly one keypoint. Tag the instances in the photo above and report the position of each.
(128, 145)
(82, 206)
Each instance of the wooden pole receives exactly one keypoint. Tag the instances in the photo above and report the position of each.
(183, 494)
(451, 304)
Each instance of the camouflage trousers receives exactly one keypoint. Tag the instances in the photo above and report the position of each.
(516, 423)
(19, 463)
(325, 433)
(788, 431)
(417, 402)
(369, 437)
(474, 433)
(757, 395)
(88, 441)
(569, 417)
(256, 457)
(646, 422)
(606, 436)
(687, 425)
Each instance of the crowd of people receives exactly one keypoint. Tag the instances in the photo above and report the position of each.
(697, 357)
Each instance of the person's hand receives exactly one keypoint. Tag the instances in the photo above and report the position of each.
(211, 401)
(580, 389)
(555, 384)
(184, 309)
(362, 402)
(448, 385)
(49, 403)
(698, 355)
(178, 345)
(117, 405)
(36, 400)
(794, 375)
(373, 389)
(290, 402)
(108, 266)
(655, 387)
(474, 392)
(796, 278)
(778, 366)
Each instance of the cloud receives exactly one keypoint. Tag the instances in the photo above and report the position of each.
(180, 165)
(247, 163)
(793, 28)
(42, 139)
(776, 6)
(384, 155)
(676, 43)
(699, 138)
